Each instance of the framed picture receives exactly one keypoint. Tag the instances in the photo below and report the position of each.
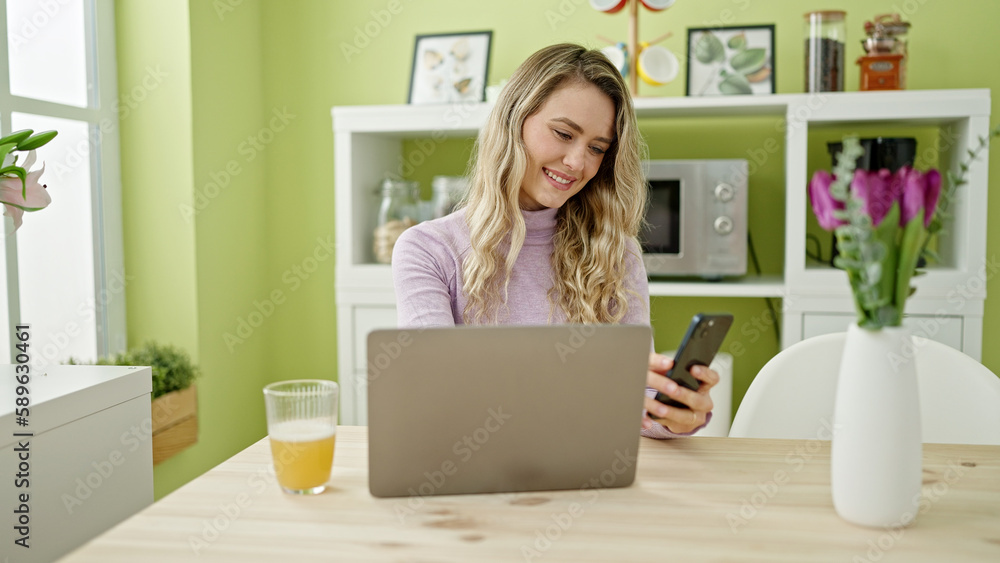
(727, 61)
(450, 67)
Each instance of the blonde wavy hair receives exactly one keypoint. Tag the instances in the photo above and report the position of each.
(595, 229)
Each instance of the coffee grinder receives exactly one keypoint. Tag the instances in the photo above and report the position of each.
(883, 67)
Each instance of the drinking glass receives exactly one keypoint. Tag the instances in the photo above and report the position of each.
(302, 426)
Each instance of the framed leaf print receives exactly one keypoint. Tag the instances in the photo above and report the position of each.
(728, 61)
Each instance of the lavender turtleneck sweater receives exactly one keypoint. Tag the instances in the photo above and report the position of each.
(426, 267)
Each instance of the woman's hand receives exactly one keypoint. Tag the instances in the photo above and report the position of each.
(677, 420)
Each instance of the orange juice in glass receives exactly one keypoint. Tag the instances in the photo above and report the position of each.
(302, 426)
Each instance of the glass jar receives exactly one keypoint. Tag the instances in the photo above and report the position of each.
(825, 33)
(395, 214)
(447, 191)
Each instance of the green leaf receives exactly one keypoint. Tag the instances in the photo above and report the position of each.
(21, 207)
(735, 84)
(35, 141)
(738, 42)
(913, 241)
(886, 233)
(708, 49)
(16, 137)
(172, 367)
(5, 149)
(749, 61)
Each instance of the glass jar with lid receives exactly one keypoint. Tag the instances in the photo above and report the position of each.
(447, 191)
(396, 213)
(825, 33)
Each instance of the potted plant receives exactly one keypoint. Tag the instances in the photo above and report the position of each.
(883, 222)
(174, 410)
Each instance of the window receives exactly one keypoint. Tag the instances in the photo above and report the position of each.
(64, 269)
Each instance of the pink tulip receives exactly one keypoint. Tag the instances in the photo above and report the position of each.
(933, 179)
(823, 203)
(15, 204)
(878, 190)
(920, 191)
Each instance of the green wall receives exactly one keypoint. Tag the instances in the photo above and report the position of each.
(157, 153)
(195, 222)
(157, 174)
(252, 60)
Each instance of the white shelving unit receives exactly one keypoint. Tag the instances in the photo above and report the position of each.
(948, 306)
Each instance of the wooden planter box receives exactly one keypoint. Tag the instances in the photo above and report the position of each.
(175, 423)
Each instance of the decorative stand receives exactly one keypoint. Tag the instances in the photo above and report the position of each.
(633, 45)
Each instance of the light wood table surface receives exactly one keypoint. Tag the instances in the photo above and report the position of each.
(694, 499)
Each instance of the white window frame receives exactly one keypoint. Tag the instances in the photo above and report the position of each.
(101, 115)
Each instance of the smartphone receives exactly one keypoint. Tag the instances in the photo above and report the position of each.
(700, 344)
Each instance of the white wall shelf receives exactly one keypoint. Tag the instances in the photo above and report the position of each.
(368, 143)
(750, 286)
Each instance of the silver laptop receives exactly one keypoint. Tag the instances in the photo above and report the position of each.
(504, 409)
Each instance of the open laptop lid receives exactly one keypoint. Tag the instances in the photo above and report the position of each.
(504, 409)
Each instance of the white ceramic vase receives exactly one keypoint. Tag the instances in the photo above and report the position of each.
(876, 452)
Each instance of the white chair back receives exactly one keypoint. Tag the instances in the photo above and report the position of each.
(793, 395)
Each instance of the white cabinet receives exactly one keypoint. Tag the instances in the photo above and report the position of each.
(948, 306)
(946, 330)
(89, 457)
(358, 317)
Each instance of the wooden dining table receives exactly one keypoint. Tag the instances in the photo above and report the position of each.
(694, 499)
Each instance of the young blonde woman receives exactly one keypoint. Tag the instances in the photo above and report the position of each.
(548, 230)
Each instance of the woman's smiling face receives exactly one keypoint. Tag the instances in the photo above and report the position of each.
(565, 141)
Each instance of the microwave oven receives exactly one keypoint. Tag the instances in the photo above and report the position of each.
(696, 220)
